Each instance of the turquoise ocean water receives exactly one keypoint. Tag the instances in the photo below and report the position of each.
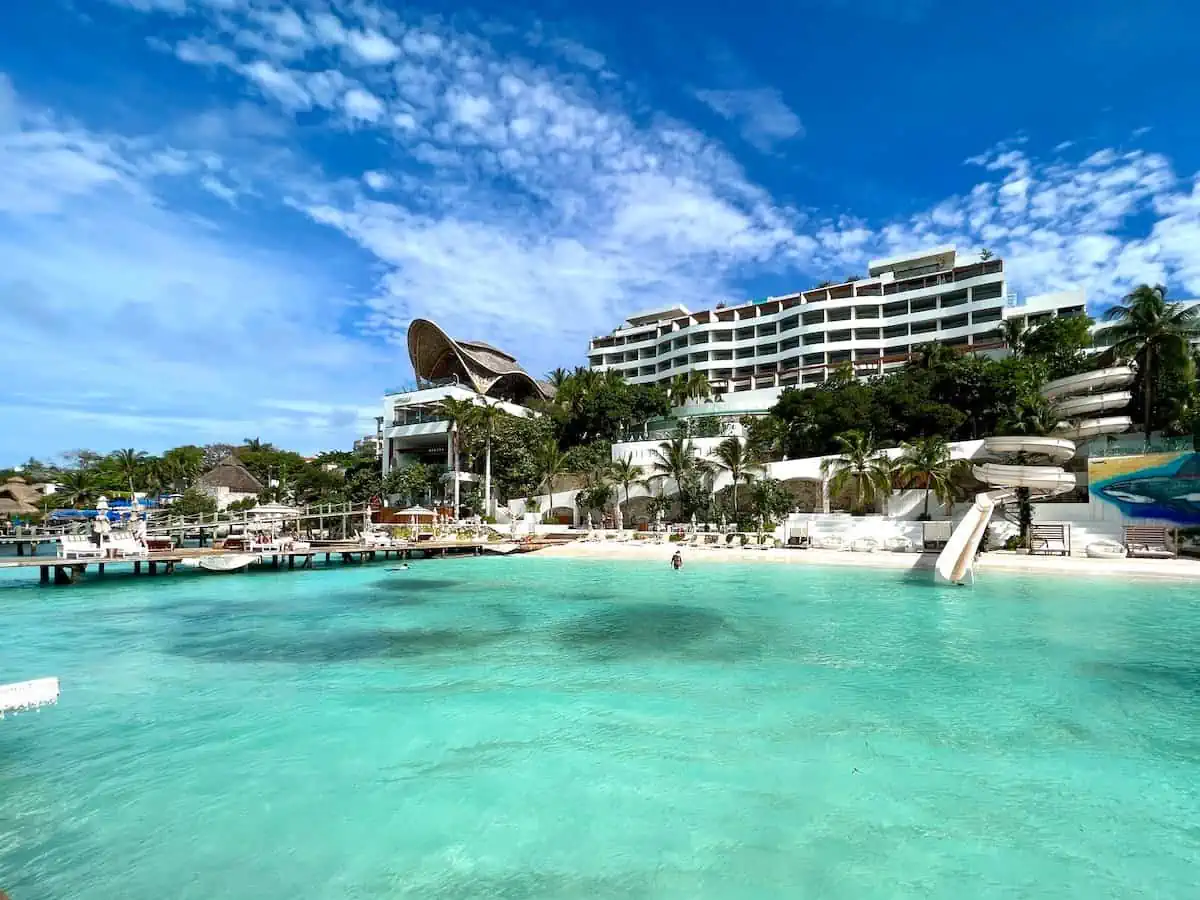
(546, 728)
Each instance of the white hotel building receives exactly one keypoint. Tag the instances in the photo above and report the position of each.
(752, 351)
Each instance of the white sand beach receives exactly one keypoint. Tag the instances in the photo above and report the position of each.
(998, 561)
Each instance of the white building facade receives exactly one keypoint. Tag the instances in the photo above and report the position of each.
(752, 351)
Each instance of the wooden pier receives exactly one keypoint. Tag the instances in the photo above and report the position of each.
(56, 570)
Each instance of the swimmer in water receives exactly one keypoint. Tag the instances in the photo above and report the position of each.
(403, 567)
(677, 560)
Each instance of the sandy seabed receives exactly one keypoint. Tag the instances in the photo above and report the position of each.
(998, 561)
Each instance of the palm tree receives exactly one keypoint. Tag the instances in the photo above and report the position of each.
(1153, 332)
(676, 460)
(926, 462)
(1014, 334)
(77, 487)
(254, 444)
(860, 467)
(697, 386)
(737, 460)
(485, 420)
(129, 463)
(550, 462)
(558, 377)
(461, 415)
(626, 474)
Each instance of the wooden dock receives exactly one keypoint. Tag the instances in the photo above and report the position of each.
(55, 570)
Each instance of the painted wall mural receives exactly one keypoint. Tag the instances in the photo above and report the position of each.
(1163, 486)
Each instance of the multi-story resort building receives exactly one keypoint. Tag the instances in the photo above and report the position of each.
(752, 351)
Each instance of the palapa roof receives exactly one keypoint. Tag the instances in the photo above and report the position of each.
(11, 507)
(478, 365)
(231, 474)
(16, 491)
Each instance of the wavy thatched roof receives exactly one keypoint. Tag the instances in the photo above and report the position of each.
(480, 366)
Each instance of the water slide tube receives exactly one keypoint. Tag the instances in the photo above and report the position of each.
(1041, 473)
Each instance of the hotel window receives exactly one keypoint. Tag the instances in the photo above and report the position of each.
(866, 334)
(839, 315)
(789, 343)
(982, 316)
(766, 330)
(954, 322)
(895, 309)
(866, 312)
(987, 291)
(744, 334)
(954, 298)
(814, 318)
(765, 349)
(836, 336)
(789, 323)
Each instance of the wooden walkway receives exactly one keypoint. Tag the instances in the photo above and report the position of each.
(68, 571)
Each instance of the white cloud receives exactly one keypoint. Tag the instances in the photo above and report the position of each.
(279, 84)
(362, 105)
(378, 181)
(372, 47)
(765, 120)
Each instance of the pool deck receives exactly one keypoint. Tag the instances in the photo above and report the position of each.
(996, 561)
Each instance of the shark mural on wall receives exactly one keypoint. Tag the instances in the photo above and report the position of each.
(1164, 486)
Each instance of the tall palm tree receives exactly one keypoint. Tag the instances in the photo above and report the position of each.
(550, 463)
(255, 444)
(860, 467)
(626, 473)
(736, 459)
(129, 464)
(485, 420)
(926, 462)
(461, 416)
(558, 377)
(676, 460)
(1014, 332)
(1153, 332)
(77, 487)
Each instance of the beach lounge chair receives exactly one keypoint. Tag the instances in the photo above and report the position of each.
(1050, 539)
(864, 545)
(78, 546)
(899, 544)
(831, 542)
(1148, 541)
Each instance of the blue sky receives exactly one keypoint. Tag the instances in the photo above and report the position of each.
(218, 216)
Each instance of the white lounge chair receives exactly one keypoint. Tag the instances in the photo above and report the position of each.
(831, 542)
(78, 546)
(864, 545)
(899, 544)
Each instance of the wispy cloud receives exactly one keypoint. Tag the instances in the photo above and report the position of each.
(764, 119)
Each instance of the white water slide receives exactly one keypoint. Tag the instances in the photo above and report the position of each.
(1041, 473)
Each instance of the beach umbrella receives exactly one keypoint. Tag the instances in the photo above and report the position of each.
(693, 521)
